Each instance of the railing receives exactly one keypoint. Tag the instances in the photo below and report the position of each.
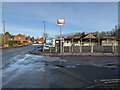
(87, 49)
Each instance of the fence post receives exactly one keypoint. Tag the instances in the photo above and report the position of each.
(81, 46)
(56, 48)
(72, 45)
(63, 47)
(80, 49)
(72, 48)
(113, 48)
(91, 48)
(69, 49)
(102, 49)
(50, 48)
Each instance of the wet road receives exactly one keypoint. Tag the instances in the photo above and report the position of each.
(24, 70)
(17, 61)
(12, 53)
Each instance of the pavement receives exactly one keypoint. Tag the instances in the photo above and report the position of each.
(68, 54)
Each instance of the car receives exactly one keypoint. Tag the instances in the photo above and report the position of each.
(39, 49)
(46, 47)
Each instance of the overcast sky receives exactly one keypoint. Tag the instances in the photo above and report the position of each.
(27, 18)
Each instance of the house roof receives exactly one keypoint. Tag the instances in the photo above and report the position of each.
(12, 36)
(41, 40)
(70, 37)
(81, 36)
(89, 36)
(57, 39)
(19, 35)
(74, 36)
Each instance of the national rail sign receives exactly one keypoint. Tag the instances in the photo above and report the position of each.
(49, 41)
(60, 22)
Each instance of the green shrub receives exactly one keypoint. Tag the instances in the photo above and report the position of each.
(10, 43)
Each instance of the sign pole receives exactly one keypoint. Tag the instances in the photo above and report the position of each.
(60, 22)
(60, 39)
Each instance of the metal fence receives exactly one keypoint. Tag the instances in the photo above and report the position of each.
(87, 49)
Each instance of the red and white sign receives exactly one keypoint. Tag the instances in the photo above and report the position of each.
(60, 22)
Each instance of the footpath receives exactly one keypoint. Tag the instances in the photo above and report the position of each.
(70, 54)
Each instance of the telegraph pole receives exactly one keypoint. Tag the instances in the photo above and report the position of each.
(4, 33)
(44, 29)
(44, 34)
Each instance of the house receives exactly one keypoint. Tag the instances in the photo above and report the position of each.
(79, 39)
(1, 39)
(41, 40)
(89, 39)
(11, 38)
(72, 40)
(20, 38)
(109, 42)
(28, 39)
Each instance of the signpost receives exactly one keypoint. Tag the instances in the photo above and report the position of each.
(48, 41)
(60, 22)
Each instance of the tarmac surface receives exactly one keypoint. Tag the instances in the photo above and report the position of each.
(26, 70)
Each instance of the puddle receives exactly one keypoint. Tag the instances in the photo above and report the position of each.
(24, 63)
(70, 66)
